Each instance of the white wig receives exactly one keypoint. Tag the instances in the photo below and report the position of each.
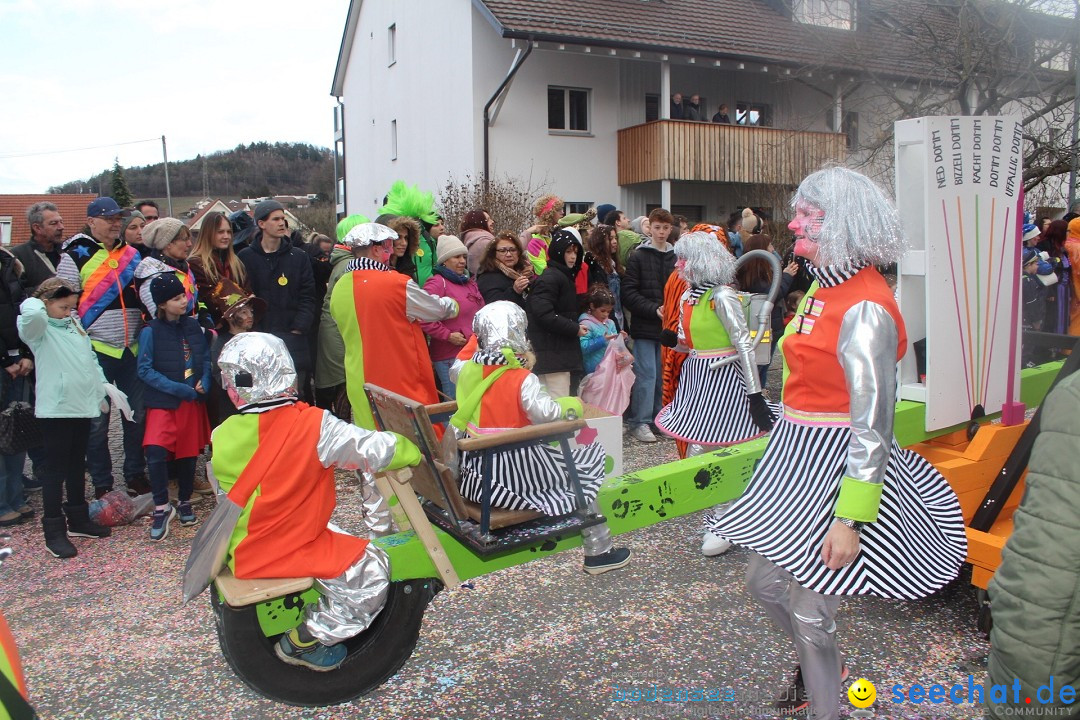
(860, 224)
(707, 261)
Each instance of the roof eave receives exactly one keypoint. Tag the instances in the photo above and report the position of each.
(337, 89)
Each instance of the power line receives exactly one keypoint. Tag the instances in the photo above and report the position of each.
(60, 152)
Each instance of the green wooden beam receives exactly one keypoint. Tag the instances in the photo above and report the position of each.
(646, 497)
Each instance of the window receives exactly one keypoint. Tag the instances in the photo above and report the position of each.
(568, 109)
(576, 207)
(391, 45)
(751, 113)
(849, 125)
(1052, 55)
(393, 139)
(5, 230)
(839, 14)
(652, 107)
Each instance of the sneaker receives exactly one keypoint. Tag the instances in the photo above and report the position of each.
(186, 514)
(31, 484)
(26, 512)
(642, 433)
(714, 545)
(611, 560)
(314, 655)
(794, 699)
(11, 518)
(203, 487)
(159, 528)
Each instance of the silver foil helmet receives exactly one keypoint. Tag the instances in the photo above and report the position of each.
(256, 368)
(502, 324)
(366, 234)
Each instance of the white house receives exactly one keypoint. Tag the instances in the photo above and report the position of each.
(577, 94)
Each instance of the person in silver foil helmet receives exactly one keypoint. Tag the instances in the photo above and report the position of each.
(378, 313)
(721, 406)
(833, 482)
(497, 391)
(280, 455)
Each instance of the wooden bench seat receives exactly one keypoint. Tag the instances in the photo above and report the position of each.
(238, 593)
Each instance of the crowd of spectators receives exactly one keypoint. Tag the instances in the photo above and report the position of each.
(582, 279)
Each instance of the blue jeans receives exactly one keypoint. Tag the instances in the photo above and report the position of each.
(11, 466)
(646, 393)
(123, 371)
(442, 371)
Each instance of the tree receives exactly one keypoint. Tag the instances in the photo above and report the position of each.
(120, 192)
(508, 200)
(960, 57)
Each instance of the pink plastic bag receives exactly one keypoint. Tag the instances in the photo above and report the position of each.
(608, 387)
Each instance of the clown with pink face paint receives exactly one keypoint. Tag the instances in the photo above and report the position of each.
(835, 507)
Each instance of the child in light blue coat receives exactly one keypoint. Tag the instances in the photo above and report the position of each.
(70, 391)
(601, 328)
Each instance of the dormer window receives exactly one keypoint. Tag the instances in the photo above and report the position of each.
(839, 14)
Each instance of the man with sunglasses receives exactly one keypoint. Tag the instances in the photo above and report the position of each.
(103, 265)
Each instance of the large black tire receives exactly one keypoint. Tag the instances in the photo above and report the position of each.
(375, 655)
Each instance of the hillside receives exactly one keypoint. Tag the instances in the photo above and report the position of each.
(254, 170)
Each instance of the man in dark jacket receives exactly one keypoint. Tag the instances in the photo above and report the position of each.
(41, 253)
(647, 271)
(281, 275)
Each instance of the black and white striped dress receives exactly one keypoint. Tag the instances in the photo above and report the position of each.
(534, 478)
(914, 548)
(710, 406)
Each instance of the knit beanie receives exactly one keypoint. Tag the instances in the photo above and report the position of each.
(135, 215)
(751, 223)
(161, 232)
(449, 246)
(166, 286)
(263, 210)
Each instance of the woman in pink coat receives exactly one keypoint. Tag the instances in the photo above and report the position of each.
(451, 280)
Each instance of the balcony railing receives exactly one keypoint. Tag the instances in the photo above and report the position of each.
(707, 152)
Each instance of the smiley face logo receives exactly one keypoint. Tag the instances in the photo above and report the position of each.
(862, 693)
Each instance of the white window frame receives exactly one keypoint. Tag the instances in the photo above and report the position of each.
(836, 14)
(587, 132)
(393, 139)
(391, 45)
(5, 229)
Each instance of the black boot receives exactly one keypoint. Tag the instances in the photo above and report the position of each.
(56, 539)
(80, 524)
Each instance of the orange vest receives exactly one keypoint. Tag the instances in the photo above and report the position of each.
(500, 407)
(395, 351)
(286, 525)
(816, 381)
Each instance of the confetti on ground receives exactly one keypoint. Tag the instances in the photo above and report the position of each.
(104, 635)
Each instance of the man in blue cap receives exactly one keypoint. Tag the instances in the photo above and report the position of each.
(103, 265)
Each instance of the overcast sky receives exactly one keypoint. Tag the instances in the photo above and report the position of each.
(207, 74)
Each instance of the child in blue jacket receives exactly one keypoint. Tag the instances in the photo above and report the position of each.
(174, 362)
(600, 303)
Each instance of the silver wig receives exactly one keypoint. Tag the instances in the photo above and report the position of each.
(502, 324)
(707, 261)
(860, 224)
(263, 366)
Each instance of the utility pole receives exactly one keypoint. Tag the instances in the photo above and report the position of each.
(168, 192)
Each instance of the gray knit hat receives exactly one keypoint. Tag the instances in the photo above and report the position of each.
(263, 209)
(161, 232)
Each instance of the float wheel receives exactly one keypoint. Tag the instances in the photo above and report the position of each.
(375, 655)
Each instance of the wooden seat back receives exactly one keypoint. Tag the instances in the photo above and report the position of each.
(432, 478)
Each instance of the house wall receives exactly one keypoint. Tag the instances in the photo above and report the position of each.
(579, 168)
(423, 91)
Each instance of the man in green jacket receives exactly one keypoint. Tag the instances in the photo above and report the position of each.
(1035, 593)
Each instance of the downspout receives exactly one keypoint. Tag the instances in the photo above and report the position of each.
(495, 96)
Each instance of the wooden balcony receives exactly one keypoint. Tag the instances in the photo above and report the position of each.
(705, 152)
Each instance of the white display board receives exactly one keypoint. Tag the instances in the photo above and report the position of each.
(960, 195)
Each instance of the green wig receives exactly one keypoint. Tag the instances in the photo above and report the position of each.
(410, 201)
(348, 223)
